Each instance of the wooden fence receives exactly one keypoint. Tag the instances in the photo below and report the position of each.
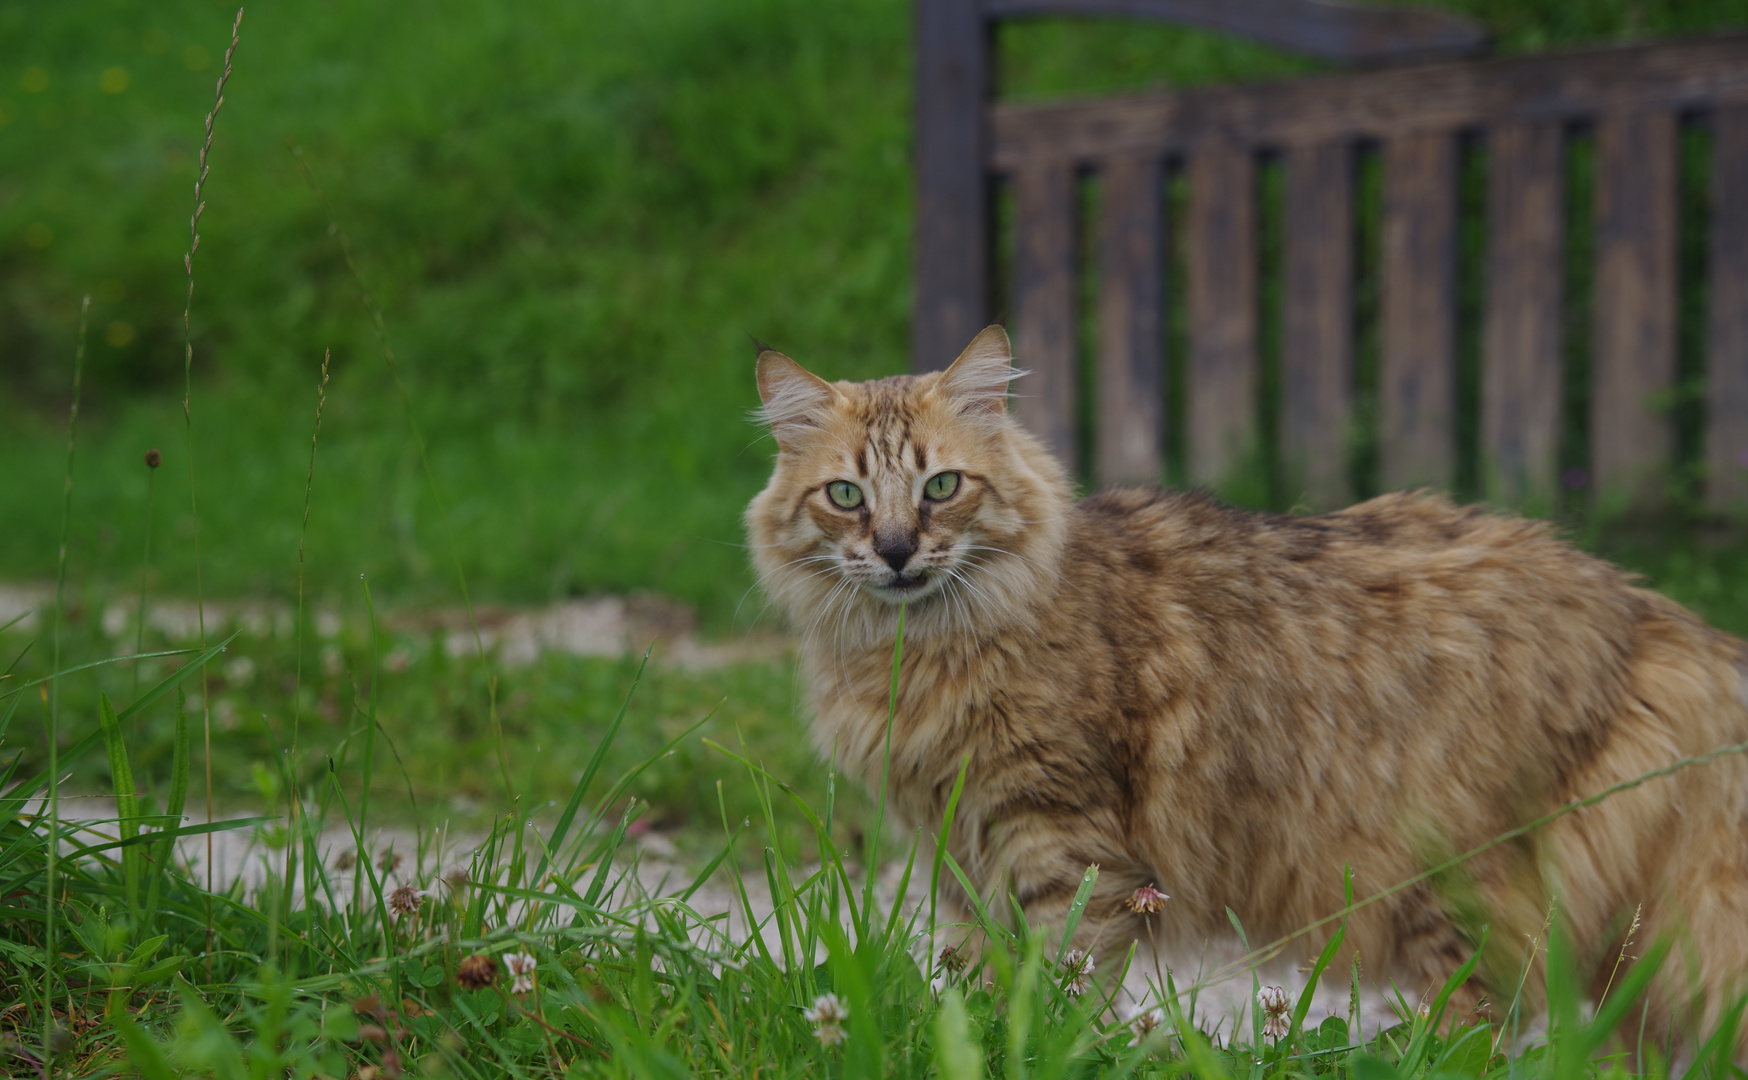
(1522, 112)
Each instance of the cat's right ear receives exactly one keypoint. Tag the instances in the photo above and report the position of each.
(795, 398)
(979, 378)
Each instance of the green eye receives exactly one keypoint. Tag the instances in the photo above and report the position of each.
(844, 494)
(941, 486)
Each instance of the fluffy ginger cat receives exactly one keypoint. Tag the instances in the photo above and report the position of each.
(1235, 706)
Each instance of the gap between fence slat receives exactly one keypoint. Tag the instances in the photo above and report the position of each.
(1521, 334)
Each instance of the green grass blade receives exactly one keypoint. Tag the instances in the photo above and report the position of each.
(941, 848)
(1076, 910)
(126, 800)
(561, 829)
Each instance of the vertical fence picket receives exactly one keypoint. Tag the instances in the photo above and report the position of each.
(1417, 368)
(1317, 350)
(1130, 373)
(1521, 334)
(1221, 413)
(951, 260)
(1633, 366)
(1727, 329)
(1044, 286)
(1518, 407)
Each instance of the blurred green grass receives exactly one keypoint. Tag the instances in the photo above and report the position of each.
(573, 216)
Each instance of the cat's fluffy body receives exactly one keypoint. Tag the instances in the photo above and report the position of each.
(1235, 706)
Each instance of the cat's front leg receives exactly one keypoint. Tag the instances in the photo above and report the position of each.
(1047, 857)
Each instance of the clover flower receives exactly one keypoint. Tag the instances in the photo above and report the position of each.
(1146, 900)
(521, 967)
(1077, 967)
(827, 1017)
(1146, 1023)
(476, 971)
(953, 959)
(1276, 1010)
(406, 900)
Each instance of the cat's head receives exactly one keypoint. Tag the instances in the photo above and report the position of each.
(915, 489)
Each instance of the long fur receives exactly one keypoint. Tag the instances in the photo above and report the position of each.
(1236, 706)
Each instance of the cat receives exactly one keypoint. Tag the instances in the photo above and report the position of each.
(1235, 706)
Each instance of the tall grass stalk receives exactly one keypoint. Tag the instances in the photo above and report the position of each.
(289, 772)
(886, 762)
(380, 327)
(200, 174)
(153, 460)
(52, 699)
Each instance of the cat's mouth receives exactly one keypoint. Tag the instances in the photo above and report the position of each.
(901, 584)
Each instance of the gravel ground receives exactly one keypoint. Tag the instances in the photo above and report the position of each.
(661, 870)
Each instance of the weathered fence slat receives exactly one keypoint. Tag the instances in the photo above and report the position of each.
(1727, 334)
(1417, 368)
(951, 259)
(1521, 335)
(1317, 349)
(1044, 287)
(1221, 411)
(1385, 104)
(1633, 365)
(1131, 388)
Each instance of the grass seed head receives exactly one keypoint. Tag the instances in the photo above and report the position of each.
(153, 458)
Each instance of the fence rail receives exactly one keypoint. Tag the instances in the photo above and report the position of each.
(1520, 113)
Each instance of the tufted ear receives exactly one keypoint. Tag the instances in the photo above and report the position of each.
(979, 378)
(794, 397)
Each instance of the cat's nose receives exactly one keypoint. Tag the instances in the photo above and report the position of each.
(896, 550)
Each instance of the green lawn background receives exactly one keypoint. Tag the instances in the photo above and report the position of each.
(573, 216)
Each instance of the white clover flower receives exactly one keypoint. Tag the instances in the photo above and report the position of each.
(1077, 968)
(521, 966)
(1276, 1011)
(827, 1017)
(406, 900)
(1146, 1023)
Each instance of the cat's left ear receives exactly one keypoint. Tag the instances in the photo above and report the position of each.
(979, 378)
(795, 398)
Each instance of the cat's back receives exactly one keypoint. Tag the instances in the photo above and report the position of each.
(1387, 557)
(1387, 607)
